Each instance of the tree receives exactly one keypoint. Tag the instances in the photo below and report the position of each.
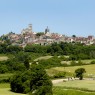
(79, 73)
(23, 58)
(26, 64)
(34, 80)
(74, 36)
(14, 49)
(20, 82)
(40, 83)
(3, 69)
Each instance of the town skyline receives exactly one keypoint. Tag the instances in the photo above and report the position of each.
(28, 36)
(62, 16)
(35, 32)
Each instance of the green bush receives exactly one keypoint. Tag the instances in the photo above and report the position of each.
(5, 80)
(92, 62)
(40, 83)
(34, 80)
(79, 73)
(73, 63)
(80, 62)
(20, 82)
(52, 62)
(3, 69)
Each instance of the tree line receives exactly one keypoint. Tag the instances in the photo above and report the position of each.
(76, 51)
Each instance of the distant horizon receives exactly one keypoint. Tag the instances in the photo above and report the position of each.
(67, 17)
(50, 32)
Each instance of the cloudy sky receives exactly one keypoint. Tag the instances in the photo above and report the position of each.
(62, 16)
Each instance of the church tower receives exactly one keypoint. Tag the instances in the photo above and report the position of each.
(27, 30)
(47, 30)
(30, 28)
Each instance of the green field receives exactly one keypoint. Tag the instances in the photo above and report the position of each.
(86, 84)
(57, 90)
(90, 69)
(62, 88)
(5, 90)
(75, 87)
(62, 91)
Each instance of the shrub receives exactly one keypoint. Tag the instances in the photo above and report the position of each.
(4, 80)
(35, 80)
(80, 62)
(52, 62)
(92, 62)
(73, 63)
(20, 82)
(79, 73)
(40, 83)
(3, 69)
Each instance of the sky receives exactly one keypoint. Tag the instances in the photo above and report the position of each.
(67, 17)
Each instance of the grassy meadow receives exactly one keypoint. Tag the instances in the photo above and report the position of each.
(62, 88)
(57, 90)
(90, 69)
(62, 91)
(5, 90)
(85, 84)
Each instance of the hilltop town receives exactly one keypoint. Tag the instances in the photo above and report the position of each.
(28, 36)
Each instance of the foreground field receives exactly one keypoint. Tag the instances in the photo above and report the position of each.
(5, 90)
(58, 89)
(76, 87)
(62, 91)
(81, 84)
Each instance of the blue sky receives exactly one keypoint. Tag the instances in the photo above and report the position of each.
(62, 16)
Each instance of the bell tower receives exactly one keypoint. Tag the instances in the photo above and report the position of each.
(47, 30)
(30, 27)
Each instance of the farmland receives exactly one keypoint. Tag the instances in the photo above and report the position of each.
(90, 69)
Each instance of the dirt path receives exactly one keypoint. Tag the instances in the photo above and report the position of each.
(58, 80)
(63, 80)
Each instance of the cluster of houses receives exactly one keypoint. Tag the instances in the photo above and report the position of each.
(27, 36)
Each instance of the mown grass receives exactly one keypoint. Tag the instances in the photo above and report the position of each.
(5, 90)
(57, 90)
(90, 69)
(80, 84)
(4, 85)
(62, 91)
